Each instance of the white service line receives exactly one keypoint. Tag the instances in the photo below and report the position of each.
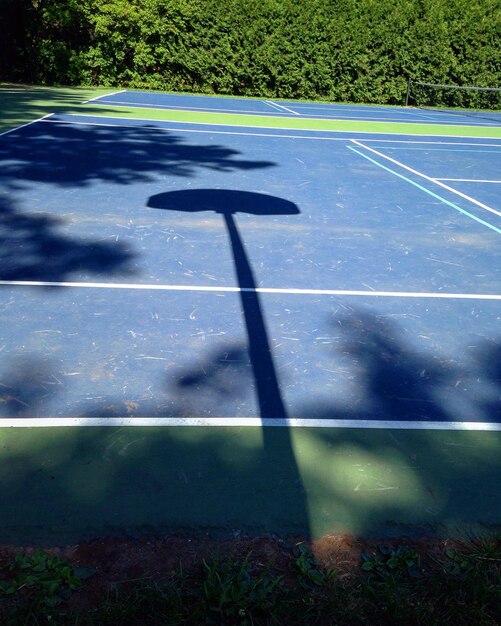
(11, 130)
(269, 290)
(105, 95)
(469, 180)
(254, 422)
(429, 178)
(419, 114)
(280, 107)
(173, 107)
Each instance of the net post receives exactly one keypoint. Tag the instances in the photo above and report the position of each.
(408, 92)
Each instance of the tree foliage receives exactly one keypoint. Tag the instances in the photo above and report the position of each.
(349, 50)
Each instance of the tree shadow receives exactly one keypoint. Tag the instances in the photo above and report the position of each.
(488, 357)
(30, 383)
(395, 480)
(397, 382)
(24, 103)
(98, 480)
(33, 248)
(225, 482)
(223, 378)
(71, 155)
(72, 484)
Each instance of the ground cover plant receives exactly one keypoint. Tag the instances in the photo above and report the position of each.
(173, 580)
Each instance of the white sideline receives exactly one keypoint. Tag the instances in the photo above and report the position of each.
(105, 95)
(11, 130)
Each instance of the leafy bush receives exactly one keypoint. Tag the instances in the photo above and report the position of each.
(349, 50)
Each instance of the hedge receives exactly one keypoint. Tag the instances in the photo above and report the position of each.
(341, 50)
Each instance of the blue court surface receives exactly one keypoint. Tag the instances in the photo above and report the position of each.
(312, 110)
(179, 271)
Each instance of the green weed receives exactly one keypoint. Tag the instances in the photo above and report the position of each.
(233, 590)
(460, 587)
(311, 572)
(49, 576)
(35, 585)
(391, 560)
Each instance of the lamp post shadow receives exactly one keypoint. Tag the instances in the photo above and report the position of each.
(279, 461)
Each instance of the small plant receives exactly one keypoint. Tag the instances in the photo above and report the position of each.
(232, 590)
(309, 568)
(468, 557)
(48, 578)
(391, 560)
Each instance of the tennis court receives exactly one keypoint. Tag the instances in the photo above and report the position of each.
(276, 289)
(312, 110)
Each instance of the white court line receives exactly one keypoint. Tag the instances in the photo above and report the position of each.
(429, 178)
(441, 143)
(269, 290)
(255, 422)
(419, 114)
(266, 134)
(175, 107)
(105, 95)
(11, 130)
(335, 109)
(280, 107)
(419, 148)
(469, 180)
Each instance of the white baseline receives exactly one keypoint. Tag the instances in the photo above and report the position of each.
(239, 422)
(270, 290)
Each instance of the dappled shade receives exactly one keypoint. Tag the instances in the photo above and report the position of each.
(34, 246)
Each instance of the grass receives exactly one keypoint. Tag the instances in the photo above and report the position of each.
(458, 584)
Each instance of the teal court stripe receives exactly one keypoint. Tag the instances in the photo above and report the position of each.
(431, 193)
(428, 178)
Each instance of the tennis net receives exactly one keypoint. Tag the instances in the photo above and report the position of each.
(476, 101)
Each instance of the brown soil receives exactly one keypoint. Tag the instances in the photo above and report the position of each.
(116, 562)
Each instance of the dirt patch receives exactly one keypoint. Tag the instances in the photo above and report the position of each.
(114, 562)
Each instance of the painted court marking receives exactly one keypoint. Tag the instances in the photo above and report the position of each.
(280, 107)
(420, 149)
(240, 133)
(40, 119)
(105, 95)
(469, 180)
(269, 290)
(428, 191)
(171, 107)
(327, 111)
(310, 130)
(429, 178)
(254, 421)
(242, 422)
